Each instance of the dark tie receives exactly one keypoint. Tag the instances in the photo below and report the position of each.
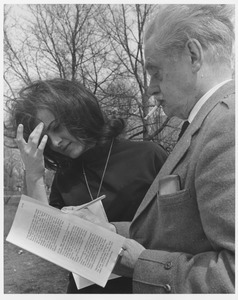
(184, 127)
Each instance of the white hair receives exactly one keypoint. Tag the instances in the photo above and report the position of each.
(211, 25)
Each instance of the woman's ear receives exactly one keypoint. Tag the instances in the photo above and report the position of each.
(196, 54)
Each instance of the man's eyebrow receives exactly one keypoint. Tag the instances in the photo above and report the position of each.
(149, 65)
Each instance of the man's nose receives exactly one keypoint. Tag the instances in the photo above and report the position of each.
(153, 88)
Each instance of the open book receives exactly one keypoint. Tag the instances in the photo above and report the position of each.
(98, 210)
(77, 245)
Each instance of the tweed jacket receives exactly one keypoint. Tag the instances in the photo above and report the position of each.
(189, 235)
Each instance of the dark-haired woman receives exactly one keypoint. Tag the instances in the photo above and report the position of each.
(59, 125)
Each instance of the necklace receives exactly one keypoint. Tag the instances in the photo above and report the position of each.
(103, 174)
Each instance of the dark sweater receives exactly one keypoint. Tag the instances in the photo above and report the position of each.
(131, 169)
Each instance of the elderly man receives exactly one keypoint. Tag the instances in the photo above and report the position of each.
(182, 239)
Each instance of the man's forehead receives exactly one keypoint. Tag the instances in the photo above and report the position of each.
(148, 52)
(148, 45)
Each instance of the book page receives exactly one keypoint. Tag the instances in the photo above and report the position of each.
(97, 209)
(66, 240)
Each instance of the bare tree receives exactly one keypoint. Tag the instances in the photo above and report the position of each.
(124, 26)
(100, 45)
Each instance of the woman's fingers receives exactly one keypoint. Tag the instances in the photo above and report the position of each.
(43, 142)
(19, 138)
(32, 153)
(34, 137)
(67, 209)
(73, 209)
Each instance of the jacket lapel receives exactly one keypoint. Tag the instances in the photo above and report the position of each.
(183, 144)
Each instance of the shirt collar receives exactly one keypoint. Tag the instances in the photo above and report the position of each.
(203, 99)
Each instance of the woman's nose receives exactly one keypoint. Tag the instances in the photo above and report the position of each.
(55, 140)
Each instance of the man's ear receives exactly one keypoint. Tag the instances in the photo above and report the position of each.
(195, 52)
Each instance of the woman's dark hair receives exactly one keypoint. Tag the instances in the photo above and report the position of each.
(72, 105)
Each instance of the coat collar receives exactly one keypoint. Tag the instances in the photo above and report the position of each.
(182, 146)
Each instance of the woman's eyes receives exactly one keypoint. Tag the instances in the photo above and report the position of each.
(55, 126)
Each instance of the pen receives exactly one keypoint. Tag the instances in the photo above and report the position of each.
(89, 203)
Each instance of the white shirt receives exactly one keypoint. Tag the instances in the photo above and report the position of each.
(203, 99)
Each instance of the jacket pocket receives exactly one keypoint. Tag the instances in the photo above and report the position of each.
(178, 225)
(174, 198)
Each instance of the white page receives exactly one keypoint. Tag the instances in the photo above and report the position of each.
(97, 209)
(66, 240)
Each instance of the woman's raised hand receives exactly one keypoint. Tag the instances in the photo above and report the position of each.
(32, 151)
